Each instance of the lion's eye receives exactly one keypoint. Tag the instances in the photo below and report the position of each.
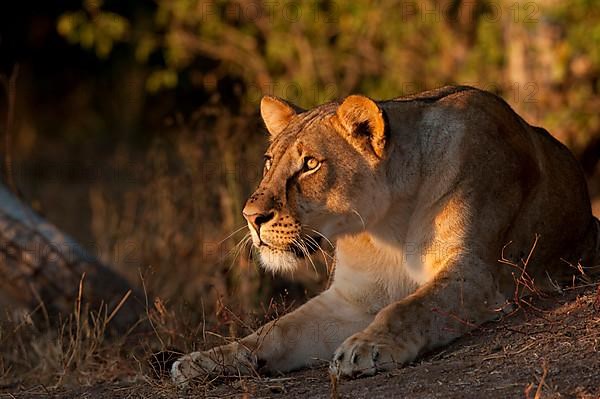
(311, 163)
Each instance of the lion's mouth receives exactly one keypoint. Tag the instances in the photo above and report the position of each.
(300, 248)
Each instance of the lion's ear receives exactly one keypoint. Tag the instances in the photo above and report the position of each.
(276, 114)
(363, 120)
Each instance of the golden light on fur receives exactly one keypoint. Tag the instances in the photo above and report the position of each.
(276, 114)
(358, 112)
(421, 195)
(278, 261)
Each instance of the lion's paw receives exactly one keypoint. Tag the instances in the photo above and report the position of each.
(222, 360)
(365, 354)
(191, 366)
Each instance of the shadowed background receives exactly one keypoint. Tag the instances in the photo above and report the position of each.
(136, 126)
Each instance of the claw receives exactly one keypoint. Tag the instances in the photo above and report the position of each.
(375, 354)
(178, 378)
(354, 357)
(366, 354)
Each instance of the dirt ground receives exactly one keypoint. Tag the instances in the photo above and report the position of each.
(549, 349)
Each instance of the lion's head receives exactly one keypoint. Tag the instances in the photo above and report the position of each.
(322, 177)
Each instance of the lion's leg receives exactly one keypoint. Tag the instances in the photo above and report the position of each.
(303, 337)
(453, 303)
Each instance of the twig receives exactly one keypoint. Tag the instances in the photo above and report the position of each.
(162, 343)
(538, 391)
(117, 308)
(524, 281)
(333, 392)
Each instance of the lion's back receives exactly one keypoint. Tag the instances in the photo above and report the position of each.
(514, 167)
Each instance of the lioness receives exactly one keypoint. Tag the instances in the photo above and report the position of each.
(423, 196)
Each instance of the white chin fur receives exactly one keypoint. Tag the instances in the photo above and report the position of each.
(278, 261)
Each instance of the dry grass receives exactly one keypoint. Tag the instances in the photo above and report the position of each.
(73, 351)
(77, 351)
(540, 350)
(166, 223)
(541, 337)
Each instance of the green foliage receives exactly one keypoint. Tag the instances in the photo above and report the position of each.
(543, 57)
(579, 64)
(94, 28)
(314, 51)
(160, 79)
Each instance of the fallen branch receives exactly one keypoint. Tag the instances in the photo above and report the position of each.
(42, 268)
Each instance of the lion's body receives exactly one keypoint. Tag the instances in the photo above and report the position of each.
(423, 206)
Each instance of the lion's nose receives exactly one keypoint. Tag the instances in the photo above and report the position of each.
(256, 219)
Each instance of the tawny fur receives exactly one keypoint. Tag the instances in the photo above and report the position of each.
(422, 196)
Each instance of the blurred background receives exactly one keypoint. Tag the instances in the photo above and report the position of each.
(136, 126)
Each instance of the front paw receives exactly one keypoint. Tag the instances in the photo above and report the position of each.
(223, 360)
(191, 366)
(366, 353)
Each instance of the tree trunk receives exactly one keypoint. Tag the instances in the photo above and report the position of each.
(42, 270)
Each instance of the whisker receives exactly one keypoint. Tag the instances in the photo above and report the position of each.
(329, 268)
(320, 248)
(316, 244)
(322, 235)
(233, 233)
(302, 246)
(251, 251)
(309, 257)
(361, 218)
(239, 248)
